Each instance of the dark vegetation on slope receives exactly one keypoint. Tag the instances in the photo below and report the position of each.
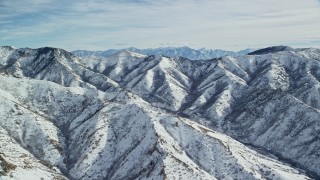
(272, 49)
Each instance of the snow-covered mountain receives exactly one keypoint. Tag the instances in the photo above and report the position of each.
(186, 52)
(133, 116)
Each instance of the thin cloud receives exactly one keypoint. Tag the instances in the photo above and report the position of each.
(101, 24)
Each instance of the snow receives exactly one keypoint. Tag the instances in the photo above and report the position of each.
(23, 174)
(194, 54)
(149, 80)
(128, 117)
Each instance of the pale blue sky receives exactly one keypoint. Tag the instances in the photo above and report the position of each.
(104, 24)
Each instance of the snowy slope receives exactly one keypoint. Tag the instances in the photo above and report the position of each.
(186, 52)
(132, 116)
(105, 139)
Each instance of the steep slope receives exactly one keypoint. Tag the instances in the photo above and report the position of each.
(237, 95)
(55, 65)
(91, 136)
(157, 79)
(132, 116)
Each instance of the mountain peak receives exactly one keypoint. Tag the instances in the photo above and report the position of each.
(272, 49)
(186, 52)
(8, 47)
(126, 53)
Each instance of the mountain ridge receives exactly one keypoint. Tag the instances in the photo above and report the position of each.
(156, 117)
(272, 49)
(186, 52)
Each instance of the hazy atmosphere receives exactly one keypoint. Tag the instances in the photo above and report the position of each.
(99, 25)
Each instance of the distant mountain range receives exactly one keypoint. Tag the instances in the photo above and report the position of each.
(186, 52)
